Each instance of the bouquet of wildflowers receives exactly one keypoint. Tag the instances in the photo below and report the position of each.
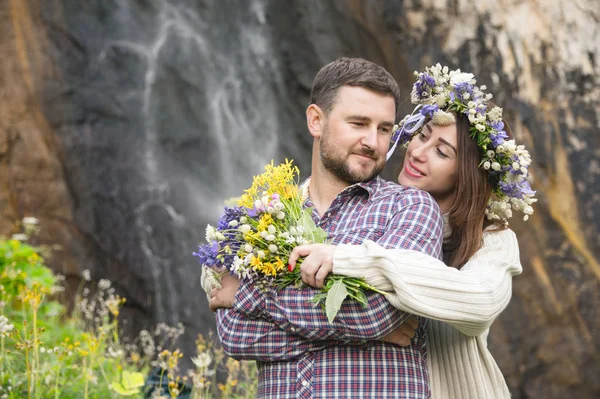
(254, 239)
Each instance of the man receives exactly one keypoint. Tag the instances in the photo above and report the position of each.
(300, 354)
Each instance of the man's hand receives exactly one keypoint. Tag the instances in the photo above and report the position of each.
(317, 264)
(223, 297)
(404, 333)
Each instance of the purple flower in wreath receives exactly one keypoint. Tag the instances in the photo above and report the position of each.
(429, 110)
(424, 85)
(498, 135)
(460, 89)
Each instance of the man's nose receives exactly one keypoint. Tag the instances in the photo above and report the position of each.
(370, 137)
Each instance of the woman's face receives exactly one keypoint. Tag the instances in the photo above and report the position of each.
(431, 163)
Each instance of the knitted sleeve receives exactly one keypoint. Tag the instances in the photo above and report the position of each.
(469, 299)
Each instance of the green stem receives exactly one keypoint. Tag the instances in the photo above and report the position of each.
(92, 360)
(28, 371)
(85, 381)
(2, 362)
(36, 354)
(56, 382)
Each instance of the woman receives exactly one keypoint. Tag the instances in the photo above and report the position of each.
(456, 132)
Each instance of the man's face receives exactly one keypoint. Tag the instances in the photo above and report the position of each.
(357, 134)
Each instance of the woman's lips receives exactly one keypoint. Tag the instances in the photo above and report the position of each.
(412, 170)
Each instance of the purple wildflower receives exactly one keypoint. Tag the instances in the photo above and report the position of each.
(229, 214)
(208, 254)
(424, 85)
(460, 89)
(516, 189)
(429, 110)
(498, 135)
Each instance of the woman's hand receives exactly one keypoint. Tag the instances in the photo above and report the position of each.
(317, 264)
(404, 333)
(223, 297)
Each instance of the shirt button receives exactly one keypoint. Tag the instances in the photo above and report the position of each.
(293, 329)
(304, 383)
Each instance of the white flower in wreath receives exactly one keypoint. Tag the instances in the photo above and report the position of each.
(461, 77)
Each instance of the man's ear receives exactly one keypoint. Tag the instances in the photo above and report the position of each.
(315, 119)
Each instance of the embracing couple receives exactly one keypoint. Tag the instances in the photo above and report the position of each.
(438, 242)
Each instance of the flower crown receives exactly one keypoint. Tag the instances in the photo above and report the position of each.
(439, 92)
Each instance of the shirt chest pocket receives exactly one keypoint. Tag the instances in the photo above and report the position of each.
(357, 235)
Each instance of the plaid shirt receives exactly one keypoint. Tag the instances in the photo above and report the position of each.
(299, 353)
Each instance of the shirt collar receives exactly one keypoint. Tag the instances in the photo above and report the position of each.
(370, 187)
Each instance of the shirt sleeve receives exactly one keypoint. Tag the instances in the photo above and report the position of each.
(247, 338)
(469, 299)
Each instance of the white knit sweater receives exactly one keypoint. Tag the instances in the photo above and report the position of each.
(461, 303)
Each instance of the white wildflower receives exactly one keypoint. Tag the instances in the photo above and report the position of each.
(86, 275)
(248, 248)
(104, 284)
(480, 127)
(210, 233)
(443, 118)
(202, 361)
(273, 248)
(244, 229)
(30, 220)
(270, 237)
(5, 326)
(271, 229)
(19, 237)
(460, 77)
(491, 154)
(496, 166)
(233, 223)
(486, 165)
(280, 215)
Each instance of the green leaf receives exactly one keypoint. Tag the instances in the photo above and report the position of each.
(318, 298)
(335, 296)
(311, 231)
(130, 384)
(360, 297)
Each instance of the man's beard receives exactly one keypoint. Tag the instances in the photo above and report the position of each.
(339, 167)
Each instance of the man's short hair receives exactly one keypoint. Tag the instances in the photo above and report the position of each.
(354, 72)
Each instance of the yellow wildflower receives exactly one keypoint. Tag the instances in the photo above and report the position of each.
(264, 222)
(279, 265)
(278, 179)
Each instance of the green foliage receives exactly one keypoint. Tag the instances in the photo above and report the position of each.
(46, 353)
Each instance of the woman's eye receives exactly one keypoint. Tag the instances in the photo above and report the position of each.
(441, 154)
(422, 136)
